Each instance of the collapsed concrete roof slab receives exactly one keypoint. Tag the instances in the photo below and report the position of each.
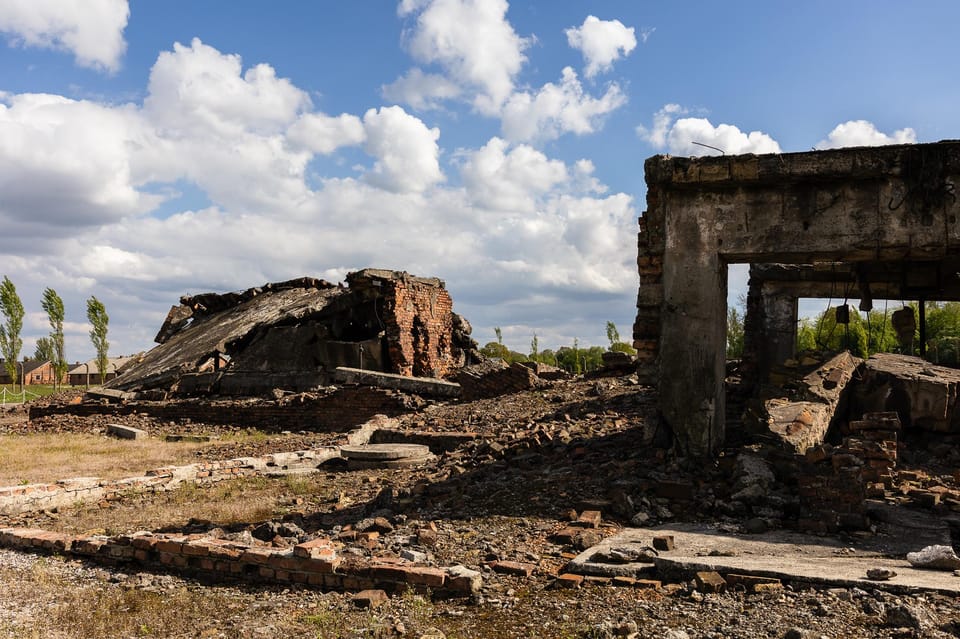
(294, 334)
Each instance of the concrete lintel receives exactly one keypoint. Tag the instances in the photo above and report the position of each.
(417, 385)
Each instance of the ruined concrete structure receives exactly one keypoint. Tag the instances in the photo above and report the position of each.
(293, 335)
(882, 221)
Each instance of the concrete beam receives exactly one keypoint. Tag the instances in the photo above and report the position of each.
(417, 385)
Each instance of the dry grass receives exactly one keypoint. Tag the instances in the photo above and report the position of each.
(50, 603)
(231, 502)
(27, 459)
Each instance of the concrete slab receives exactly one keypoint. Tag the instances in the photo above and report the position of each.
(778, 554)
(383, 452)
(126, 432)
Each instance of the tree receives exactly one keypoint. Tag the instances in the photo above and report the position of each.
(534, 348)
(735, 333)
(97, 315)
(495, 350)
(496, 329)
(53, 306)
(10, 342)
(615, 344)
(44, 350)
(612, 334)
(861, 336)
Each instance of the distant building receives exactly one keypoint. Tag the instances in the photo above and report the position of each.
(87, 373)
(31, 371)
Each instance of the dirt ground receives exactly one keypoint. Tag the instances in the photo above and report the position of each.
(539, 458)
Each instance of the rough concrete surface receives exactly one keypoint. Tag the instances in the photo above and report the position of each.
(785, 555)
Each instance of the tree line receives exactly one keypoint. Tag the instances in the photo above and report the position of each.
(872, 332)
(574, 359)
(51, 347)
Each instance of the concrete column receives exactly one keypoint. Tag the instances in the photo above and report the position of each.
(693, 334)
(780, 328)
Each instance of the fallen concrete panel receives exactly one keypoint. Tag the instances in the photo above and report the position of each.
(784, 555)
(802, 424)
(418, 385)
(923, 395)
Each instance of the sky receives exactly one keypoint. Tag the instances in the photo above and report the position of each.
(154, 149)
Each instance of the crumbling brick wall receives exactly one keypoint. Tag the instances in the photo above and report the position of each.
(834, 483)
(646, 328)
(418, 321)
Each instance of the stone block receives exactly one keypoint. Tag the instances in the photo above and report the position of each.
(126, 432)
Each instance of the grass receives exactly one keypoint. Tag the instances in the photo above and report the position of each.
(47, 457)
(58, 607)
(237, 501)
(10, 393)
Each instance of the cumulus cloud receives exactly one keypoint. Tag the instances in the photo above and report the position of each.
(513, 180)
(66, 163)
(472, 41)
(422, 91)
(602, 42)
(406, 150)
(687, 136)
(556, 109)
(864, 133)
(92, 30)
(325, 134)
(243, 138)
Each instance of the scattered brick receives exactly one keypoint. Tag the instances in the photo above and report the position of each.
(369, 598)
(709, 581)
(663, 542)
(512, 568)
(568, 581)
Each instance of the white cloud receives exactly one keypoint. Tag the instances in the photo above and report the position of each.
(92, 30)
(472, 41)
(67, 163)
(558, 108)
(325, 134)
(74, 208)
(687, 136)
(602, 42)
(510, 181)
(864, 133)
(406, 150)
(422, 91)
(197, 90)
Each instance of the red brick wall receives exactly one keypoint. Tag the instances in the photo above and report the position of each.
(419, 324)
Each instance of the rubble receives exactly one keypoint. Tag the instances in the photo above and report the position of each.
(293, 335)
(922, 394)
(935, 558)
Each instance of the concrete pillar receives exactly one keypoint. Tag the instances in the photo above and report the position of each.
(693, 336)
(780, 328)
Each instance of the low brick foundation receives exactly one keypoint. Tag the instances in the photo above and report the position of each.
(313, 563)
(336, 410)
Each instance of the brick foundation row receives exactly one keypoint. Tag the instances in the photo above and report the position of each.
(312, 563)
(338, 410)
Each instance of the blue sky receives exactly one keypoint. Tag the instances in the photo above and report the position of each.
(152, 149)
